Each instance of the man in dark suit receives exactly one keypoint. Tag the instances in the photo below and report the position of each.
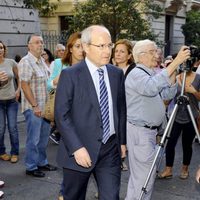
(90, 112)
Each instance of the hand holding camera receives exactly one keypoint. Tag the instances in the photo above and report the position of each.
(182, 55)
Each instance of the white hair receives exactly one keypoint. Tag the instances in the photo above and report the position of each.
(140, 47)
(86, 34)
(59, 46)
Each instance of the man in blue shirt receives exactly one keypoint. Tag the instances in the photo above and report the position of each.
(145, 92)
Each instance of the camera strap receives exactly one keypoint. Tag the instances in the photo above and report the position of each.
(149, 75)
(144, 70)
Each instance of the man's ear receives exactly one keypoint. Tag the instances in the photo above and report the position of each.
(29, 46)
(85, 47)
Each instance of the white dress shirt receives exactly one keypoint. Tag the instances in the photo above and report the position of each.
(95, 77)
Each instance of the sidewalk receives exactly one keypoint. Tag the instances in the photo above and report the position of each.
(19, 186)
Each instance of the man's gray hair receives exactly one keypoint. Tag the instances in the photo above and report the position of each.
(86, 34)
(140, 47)
(32, 35)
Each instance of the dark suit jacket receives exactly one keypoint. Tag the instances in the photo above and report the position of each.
(78, 117)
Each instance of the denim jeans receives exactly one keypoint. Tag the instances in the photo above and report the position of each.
(8, 111)
(38, 131)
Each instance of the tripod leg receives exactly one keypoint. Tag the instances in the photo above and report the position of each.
(161, 145)
(163, 151)
(165, 144)
(193, 122)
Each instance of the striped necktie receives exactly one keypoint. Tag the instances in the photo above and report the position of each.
(104, 107)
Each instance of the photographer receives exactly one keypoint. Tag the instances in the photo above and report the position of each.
(145, 92)
(182, 124)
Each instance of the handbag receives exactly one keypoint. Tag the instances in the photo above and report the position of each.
(49, 106)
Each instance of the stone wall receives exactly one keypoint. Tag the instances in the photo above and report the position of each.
(17, 23)
(175, 10)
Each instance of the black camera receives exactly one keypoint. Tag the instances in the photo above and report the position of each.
(195, 52)
(194, 57)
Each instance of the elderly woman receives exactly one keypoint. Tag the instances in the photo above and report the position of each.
(145, 91)
(59, 51)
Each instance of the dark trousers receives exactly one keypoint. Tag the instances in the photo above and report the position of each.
(188, 134)
(107, 174)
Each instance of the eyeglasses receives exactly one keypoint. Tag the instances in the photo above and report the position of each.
(151, 52)
(103, 46)
(60, 50)
(37, 42)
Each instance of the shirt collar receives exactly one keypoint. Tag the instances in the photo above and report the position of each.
(37, 61)
(93, 68)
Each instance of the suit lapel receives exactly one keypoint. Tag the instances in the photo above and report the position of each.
(113, 87)
(86, 78)
(113, 84)
(87, 81)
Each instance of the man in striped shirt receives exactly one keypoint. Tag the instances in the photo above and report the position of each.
(33, 74)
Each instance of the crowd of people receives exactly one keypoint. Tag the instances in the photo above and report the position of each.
(110, 99)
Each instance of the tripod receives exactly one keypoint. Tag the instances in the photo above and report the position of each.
(181, 100)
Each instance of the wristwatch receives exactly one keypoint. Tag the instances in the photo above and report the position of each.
(34, 106)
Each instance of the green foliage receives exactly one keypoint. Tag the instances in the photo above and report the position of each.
(44, 7)
(123, 18)
(191, 29)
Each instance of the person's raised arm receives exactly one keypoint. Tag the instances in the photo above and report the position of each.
(181, 57)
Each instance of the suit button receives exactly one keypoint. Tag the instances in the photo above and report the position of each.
(101, 126)
(100, 139)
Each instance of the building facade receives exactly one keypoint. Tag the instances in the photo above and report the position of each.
(167, 27)
(17, 23)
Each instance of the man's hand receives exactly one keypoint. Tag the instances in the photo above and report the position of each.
(82, 157)
(37, 112)
(123, 151)
(182, 55)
